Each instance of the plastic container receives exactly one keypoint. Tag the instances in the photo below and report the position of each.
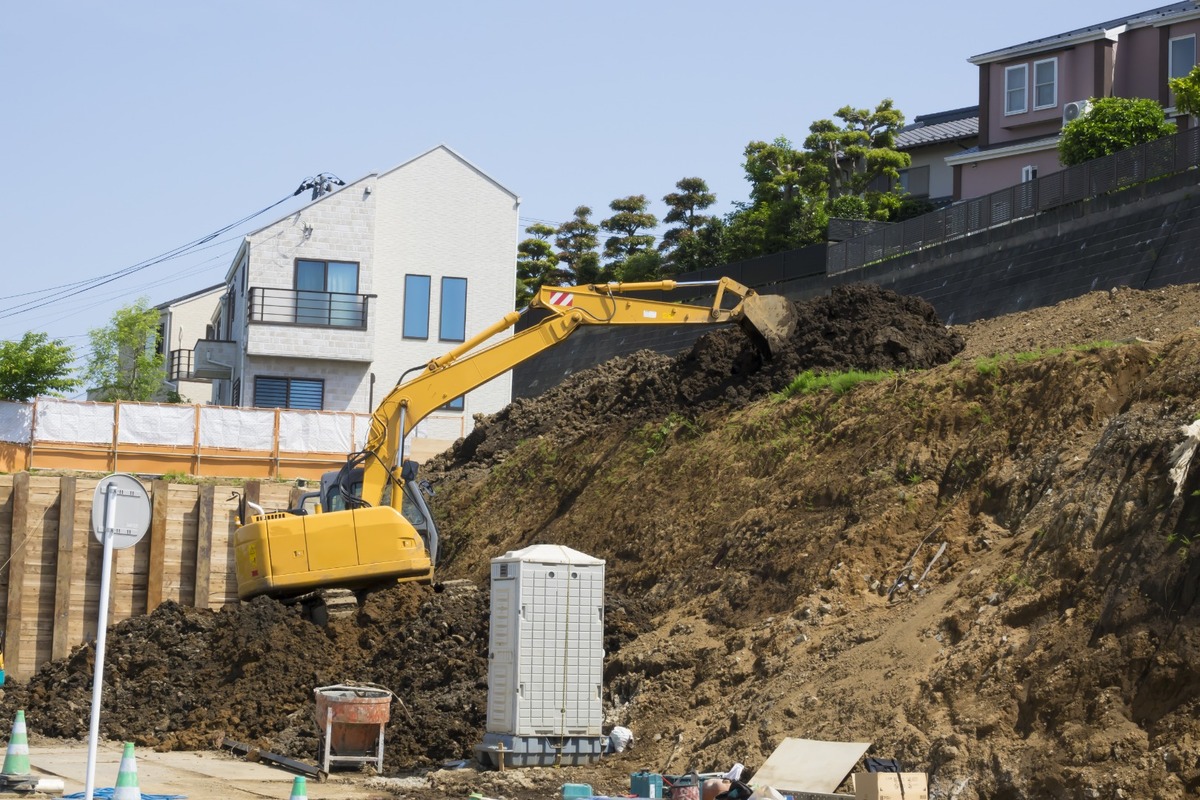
(646, 784)
(574, 791)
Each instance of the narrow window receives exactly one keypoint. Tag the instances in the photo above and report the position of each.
(1014, 89)
(454, 405)
(1045, 83)
(1028, 173)
(452, 325)
(416, 306)
(1182, 56)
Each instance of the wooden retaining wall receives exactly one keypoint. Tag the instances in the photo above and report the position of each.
(50, 581)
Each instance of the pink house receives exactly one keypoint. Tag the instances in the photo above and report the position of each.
(1027, 92)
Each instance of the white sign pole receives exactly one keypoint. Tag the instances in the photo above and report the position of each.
(110, 516)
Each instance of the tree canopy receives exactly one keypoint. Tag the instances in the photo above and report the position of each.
(125, 362)
(576, 240)
(1110, 125)
(537, 264)
(1187, 91)
(34, 366)
(630, 218)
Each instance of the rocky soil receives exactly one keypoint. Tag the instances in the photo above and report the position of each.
(983, 564)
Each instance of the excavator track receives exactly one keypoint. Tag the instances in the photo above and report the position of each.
(321, 605)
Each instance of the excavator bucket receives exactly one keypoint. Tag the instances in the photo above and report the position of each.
(769, 320)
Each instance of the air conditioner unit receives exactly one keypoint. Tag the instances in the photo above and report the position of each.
(1075, 110)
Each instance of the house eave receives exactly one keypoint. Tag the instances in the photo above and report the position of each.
(1002, 152)
(1034, 48)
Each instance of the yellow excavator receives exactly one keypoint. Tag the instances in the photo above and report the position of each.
(371, 525)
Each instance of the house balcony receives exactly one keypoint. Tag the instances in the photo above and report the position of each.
(211, 360)
(294, 323)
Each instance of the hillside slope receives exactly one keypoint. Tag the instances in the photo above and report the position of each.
(984, 568)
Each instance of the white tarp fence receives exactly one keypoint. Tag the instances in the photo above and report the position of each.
(70, 421)
(237, 428)
(157, 424)
(83, 422)
(315, 432)
(16, 422)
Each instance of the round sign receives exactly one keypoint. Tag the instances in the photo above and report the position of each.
(122, 507)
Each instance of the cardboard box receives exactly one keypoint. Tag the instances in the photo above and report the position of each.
(891, 786)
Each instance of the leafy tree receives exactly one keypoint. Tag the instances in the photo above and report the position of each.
(34, 366)
(537, 264)
(685, 206)
(576, 241)
(703, 249)
(858, 153)
(775, 171)
(626, 226)
(125, 364)
(644, 265)
(1187, 91)
(1112, 124)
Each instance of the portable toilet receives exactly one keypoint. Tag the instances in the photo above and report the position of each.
(545, 659)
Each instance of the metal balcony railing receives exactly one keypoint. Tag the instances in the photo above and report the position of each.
(301, 307)
(179, 365)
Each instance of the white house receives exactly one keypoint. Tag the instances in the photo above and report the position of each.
(184, 320)
(328, 307)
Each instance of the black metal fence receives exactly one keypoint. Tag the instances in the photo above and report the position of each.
(180, 366)
(303, 307)
(1160, 158)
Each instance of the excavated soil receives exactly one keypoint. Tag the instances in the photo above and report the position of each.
(983, 565)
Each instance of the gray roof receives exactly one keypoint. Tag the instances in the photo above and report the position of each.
(1095, 31)
(942, 126)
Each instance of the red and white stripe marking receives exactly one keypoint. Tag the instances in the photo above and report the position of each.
(562, 299)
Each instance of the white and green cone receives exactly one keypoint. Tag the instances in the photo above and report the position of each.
(127, 785)
(16, 759)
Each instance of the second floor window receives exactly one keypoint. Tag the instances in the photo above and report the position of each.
(1182, 56)
(452, 323)
(1045, 83)
(1015, 80)
(915, 181)
(416, 306)
(325, 293)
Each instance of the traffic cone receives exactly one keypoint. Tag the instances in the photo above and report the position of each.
(16, 759)
(127, 786)
(299, 788)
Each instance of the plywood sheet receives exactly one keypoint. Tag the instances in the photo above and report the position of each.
(809, 765)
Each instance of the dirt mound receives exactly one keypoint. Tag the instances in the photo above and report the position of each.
(180, 678)
(860, 327)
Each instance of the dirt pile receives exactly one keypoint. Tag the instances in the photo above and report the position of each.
(858, 327)
(181, 678)
(984, 568)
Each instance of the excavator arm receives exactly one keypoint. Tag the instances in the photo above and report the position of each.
(370, 539)
(769, 320)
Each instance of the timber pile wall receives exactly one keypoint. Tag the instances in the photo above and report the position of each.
(50, 586)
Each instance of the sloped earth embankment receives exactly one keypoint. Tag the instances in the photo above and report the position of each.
(1042, 644)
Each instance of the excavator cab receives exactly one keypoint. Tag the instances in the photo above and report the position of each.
(413, 505)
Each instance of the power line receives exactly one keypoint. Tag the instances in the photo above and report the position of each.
(83, 286)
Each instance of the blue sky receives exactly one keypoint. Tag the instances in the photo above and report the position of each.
(131, 128)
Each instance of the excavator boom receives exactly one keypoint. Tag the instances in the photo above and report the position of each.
(371, 539)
